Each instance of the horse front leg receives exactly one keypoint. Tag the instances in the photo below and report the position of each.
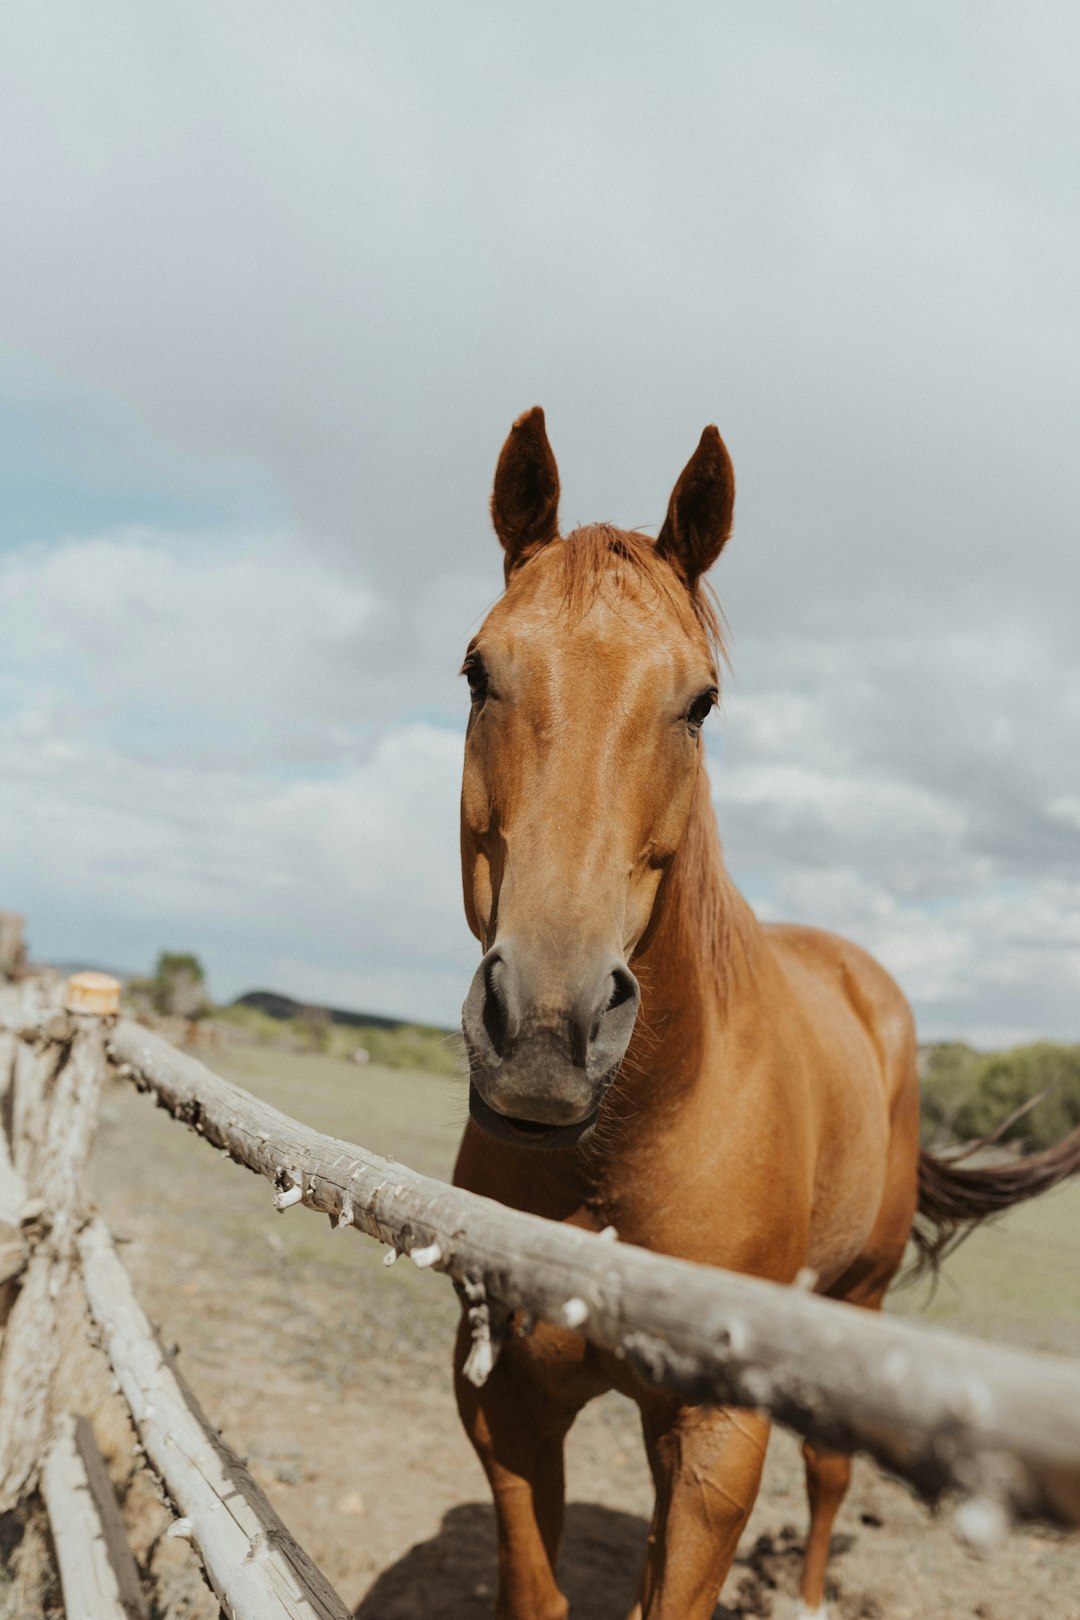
(518, 1423)
(828, 1474)
(706, 1464)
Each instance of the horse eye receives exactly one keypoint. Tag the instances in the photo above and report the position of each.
(698, 712)
(477, 677)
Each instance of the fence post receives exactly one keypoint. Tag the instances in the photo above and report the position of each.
(56, 1088)
(12, 945)
(13, 1245)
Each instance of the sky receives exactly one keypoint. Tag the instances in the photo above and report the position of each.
(275, 282)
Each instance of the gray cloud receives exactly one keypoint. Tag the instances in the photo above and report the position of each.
(346, 246)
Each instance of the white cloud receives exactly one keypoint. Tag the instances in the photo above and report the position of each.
(896, 790)
(186, 745)
(247, 800)
(258, 635)
(343, 246)
(351, 243)
(359, 870)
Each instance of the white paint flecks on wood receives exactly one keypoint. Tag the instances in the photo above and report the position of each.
(982, 1524)
(429, 1255)
(575, 1313)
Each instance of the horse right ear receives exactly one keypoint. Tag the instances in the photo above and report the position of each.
(700, 511)
(525, 500)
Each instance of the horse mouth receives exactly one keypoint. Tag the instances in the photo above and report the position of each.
(527, 1133)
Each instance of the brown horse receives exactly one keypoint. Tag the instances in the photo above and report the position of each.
(643, 1053)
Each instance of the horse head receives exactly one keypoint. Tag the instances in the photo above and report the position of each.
(590, 681)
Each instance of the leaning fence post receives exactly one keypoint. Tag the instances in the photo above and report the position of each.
(56, 1086)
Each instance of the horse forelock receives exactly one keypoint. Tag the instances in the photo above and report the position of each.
(600, 558)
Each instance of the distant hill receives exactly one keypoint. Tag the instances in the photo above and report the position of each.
(275, 1005)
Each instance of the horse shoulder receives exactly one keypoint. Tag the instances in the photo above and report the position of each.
(860, 1067)
(852, 1003)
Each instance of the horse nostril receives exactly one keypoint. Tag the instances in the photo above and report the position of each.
(496, 1012)
(622, 987)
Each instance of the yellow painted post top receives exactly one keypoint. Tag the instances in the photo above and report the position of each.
(93, 993)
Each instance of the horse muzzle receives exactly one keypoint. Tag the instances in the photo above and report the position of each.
(543, 1049)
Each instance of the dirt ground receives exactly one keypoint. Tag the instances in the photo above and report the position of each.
(330, 1374)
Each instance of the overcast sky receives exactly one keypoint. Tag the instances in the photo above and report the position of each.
(275, 281)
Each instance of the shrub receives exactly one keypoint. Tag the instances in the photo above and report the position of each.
(968, 1094)
(413, 1046)
(177, 989)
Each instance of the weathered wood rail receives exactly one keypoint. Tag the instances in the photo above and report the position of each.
(253, 1563)
(97, 1571)
(944, 1412)
(936, 1408)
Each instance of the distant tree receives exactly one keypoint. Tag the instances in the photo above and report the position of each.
(968, 1094)
(1007, 1080)
(949, 1075)
(313, 1024)
(178, 988)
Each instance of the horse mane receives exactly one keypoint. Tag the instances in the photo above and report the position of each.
(704, 898)
(600, 557)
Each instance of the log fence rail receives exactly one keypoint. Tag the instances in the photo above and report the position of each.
(999, 1427)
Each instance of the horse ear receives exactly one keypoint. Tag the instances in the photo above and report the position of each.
(700, 511)
(525, 500)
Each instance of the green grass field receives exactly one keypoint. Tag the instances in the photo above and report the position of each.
(1016, 1281)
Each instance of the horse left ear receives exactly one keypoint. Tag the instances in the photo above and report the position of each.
(700, 511)
(525, 499)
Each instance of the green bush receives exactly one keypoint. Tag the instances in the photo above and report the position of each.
(948, 1081)
(256, 1024)
(413, 1046)
(968, 1094)
(177, 988)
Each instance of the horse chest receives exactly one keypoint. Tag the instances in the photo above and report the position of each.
(743, 1206)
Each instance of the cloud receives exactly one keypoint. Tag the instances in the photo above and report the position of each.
(905, 792)
(254, 636)
(193, 756)
(355, 876)
(351, 247)
(328, 256)
(187, 744)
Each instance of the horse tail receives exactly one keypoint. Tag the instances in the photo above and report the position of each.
(954, 1199)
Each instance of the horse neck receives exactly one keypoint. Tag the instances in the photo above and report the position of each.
(698, 961)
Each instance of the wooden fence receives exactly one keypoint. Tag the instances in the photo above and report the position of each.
(946, 1413)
